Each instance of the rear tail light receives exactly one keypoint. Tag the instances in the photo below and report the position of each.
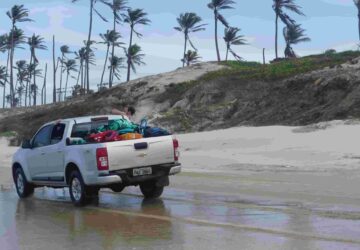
(102, 159)
(176, 149)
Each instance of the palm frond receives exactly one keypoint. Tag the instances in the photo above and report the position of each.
(19, 14)
(221, 4)
(191, 57)
(101, 16)
(222, 20)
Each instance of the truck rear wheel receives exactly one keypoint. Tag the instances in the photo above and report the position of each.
(23, 187)
(77, 189)
(151, 190)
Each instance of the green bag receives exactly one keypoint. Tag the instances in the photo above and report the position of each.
(117, 125)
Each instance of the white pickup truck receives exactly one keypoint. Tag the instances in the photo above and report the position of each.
(51, 159)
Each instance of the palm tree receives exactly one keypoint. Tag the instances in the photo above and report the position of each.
(20, 91)
(5, 47)
(89, 60)
(216, 6)
(3, 79)
(33, 87)
(133, 18)
(89, 41)
(116, 64)
(35, 42)
(117, 7)
(64, 50)
(18, 38)
(34, 91)
(80, 55)
(110, 38)
(278, 7)
(232, 38)
(357, 4)
(22, 76)
(293, 34)
(134, 57)
(70, 66)
(191, 57)
(8, 99)
(17, 14)
(189, 23)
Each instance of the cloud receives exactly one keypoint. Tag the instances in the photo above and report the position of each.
(339, 2)
(56, 16)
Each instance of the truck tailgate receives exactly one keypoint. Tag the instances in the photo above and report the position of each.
(154, 151)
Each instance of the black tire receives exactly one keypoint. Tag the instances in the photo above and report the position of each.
(117, 188)
(150, 190)
(78, 189)
(23, 188)
(92, 191)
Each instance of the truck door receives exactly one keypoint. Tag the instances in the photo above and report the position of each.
(55, 153)
(36, 157)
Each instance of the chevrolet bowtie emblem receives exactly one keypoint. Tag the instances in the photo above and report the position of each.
(142, 155)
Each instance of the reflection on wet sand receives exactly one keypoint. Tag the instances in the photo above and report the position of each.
(49, 221)
(90, 228)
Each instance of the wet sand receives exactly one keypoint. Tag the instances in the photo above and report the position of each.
(180, 220)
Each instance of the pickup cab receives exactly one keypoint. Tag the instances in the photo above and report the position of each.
(53, 158)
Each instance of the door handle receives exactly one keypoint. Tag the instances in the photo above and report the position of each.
(42, 153)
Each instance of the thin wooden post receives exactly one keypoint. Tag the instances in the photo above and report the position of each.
(264, 61)
(54, 71)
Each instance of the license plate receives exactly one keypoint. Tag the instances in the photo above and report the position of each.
(142, 171)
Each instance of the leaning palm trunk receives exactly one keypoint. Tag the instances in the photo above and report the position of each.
(29, 81)
(88, 47)
(216, 36)
(35, 88)
(66, 85)
(103, 73)
(54, 72)
(7, 68)
(61, 77)
(185, 47)
(82, 76)
(129, 59)
(227, 52)
(79, 73)
(11, 78)
(11, 67)
(111, 73)
(276, 35)
(4, 95)
(26, 92)
(112, 51)
(43, 91)
(359, 22)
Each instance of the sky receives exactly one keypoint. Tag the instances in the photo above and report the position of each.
(331, 24)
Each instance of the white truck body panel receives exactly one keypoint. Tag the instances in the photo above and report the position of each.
(123, 155)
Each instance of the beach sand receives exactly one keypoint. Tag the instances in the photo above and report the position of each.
(331, 146)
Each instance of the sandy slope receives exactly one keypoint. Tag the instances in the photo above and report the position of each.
(322, 147)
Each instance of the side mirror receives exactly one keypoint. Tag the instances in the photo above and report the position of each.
(68, 141)
(26, 144)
